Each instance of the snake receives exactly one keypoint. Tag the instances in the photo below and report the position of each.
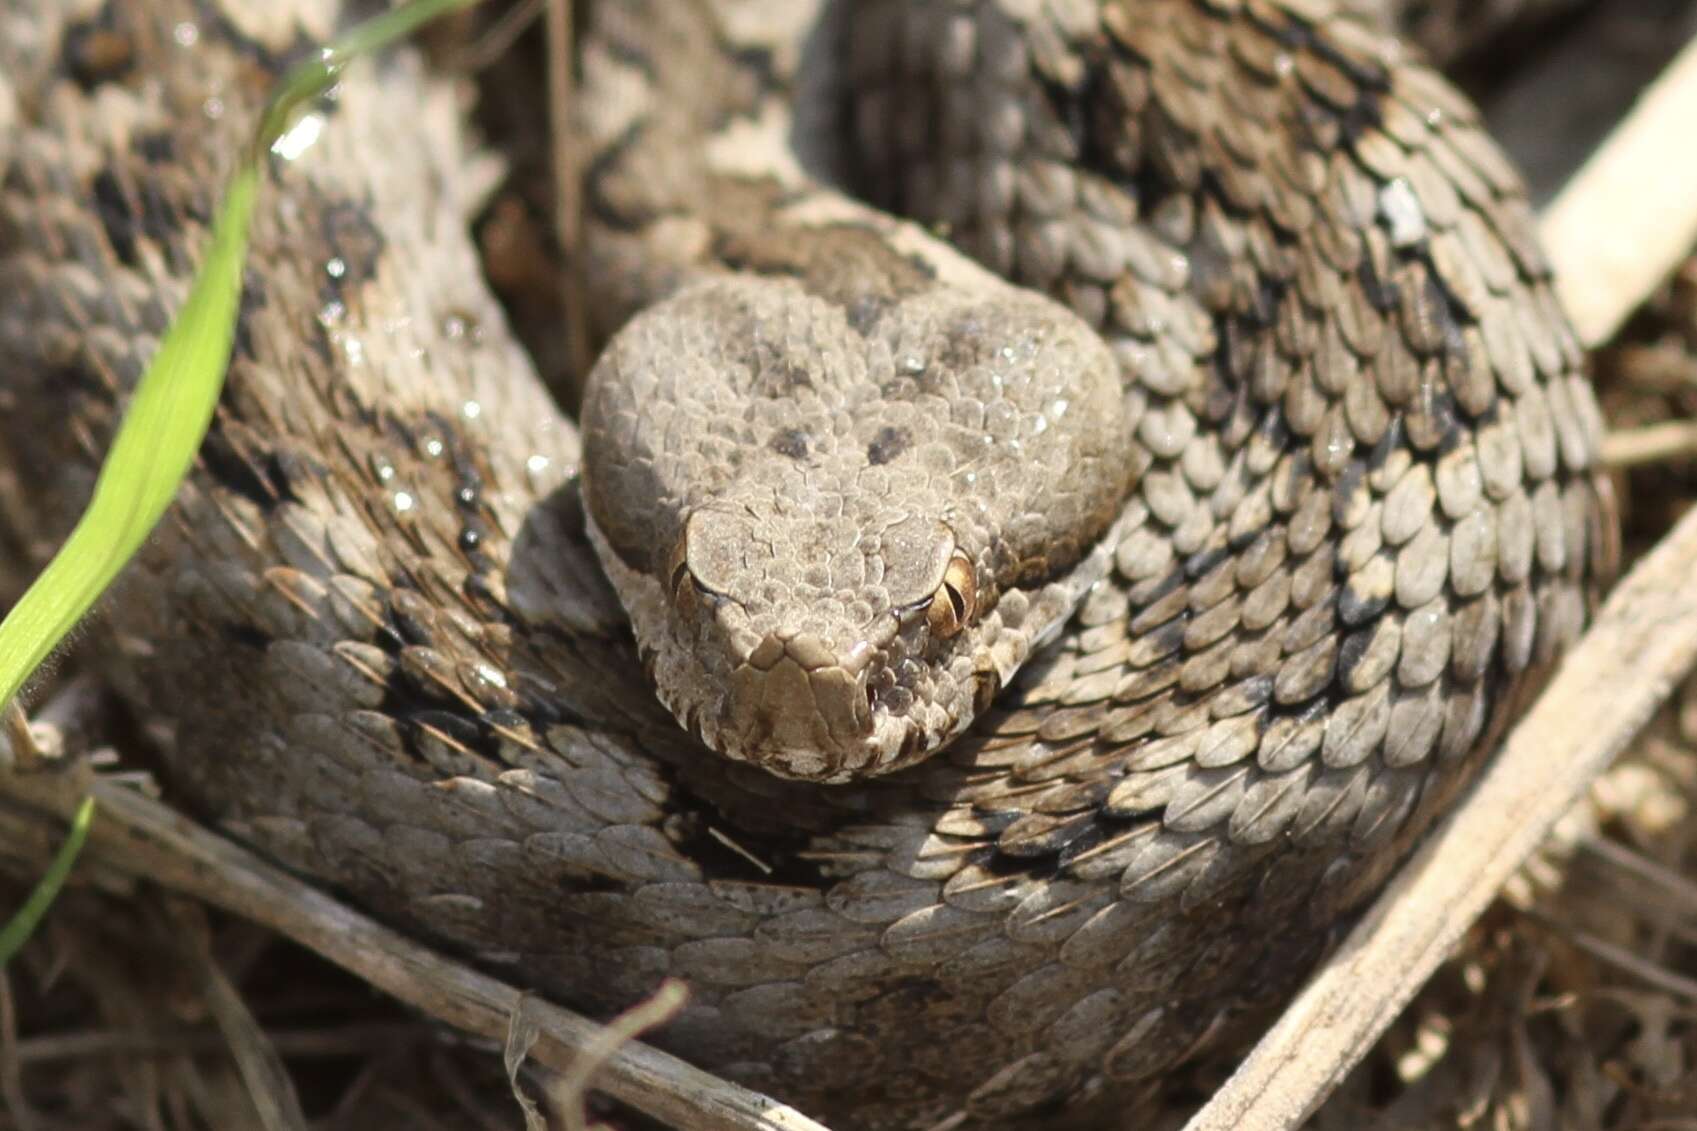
(1072, 489)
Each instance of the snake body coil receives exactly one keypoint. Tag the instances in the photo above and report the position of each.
(1357, 517)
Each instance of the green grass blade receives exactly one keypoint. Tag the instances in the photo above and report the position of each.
(23, 924)
(166, 420)
(155, 444)
(172, 405)
(313, 77)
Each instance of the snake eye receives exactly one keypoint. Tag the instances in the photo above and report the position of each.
(956, 600)
(679, 583)
(677, 566)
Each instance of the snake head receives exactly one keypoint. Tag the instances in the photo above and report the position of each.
(838, 537)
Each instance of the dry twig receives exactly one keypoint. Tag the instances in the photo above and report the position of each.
(147, 839)
(1626, 220)
(1643, 642)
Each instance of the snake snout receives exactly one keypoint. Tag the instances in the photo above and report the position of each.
(804, 709)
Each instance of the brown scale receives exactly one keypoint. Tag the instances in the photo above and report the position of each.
(1365, 521)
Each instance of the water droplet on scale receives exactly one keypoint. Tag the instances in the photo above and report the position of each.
(298, 138)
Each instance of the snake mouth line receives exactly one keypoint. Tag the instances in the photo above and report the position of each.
(803, 710)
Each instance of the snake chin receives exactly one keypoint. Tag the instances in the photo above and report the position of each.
(846, 700)
(839, 701)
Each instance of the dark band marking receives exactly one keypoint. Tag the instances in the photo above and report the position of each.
(791, 443)
(98, 50)
(887, 445)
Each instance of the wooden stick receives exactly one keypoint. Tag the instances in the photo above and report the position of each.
(1643, 642)
(1627, 218)
(1653, 443)
(145, 838)
(1619, 228)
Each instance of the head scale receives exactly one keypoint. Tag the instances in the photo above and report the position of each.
(839, 531)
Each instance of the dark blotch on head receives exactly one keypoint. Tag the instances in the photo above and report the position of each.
(864, 313)
(848, 265)
(791, 443)
(887, 445)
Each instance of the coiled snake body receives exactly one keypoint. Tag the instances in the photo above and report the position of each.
(1342, 510)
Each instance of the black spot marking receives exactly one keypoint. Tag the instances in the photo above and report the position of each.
(1384, 294)
(130, 212)
(413, 619)
(438, 737)
(1167, 639)
(156, 148)
(457, 727)
(97, 50)
(1267, 295)
(1356, 608)
(1093, 834)
(82, 375)
(887, 445)
(1256, 691)
(1349, 481)
(484, 601)
(356, 245)
(1359, 120)
(116, 216)
(1275, 430)
(1204, 560)
(1353, 650)
(472, 535)
(235, 467)
(792, 443)
(1388, 443)
(294, 469)
(864, 312)
(244, 636)
(255, 297)
(216, 27)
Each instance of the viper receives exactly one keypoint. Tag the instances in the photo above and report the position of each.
(1071, 491)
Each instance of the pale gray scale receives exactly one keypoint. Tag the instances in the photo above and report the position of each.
(1487, 252)
(1574, 423)
(1473, 553)
(1408, 506)
(1550, 528)
(1501, 460)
